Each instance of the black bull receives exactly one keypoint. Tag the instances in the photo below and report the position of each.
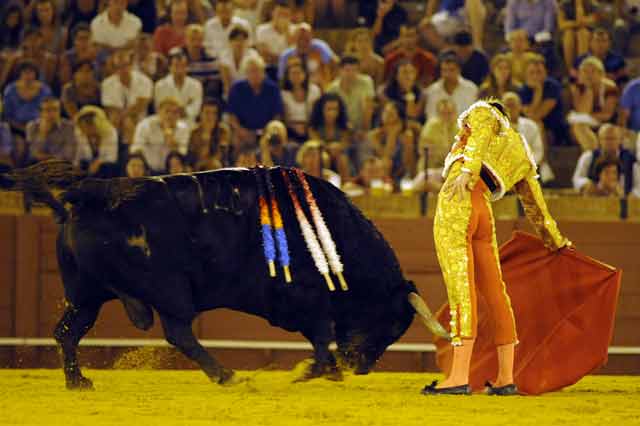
(184, 244)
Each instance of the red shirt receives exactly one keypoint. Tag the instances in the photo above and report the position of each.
(424, 61)
(166, 38)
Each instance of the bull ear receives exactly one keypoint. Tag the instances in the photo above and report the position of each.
(425, 315)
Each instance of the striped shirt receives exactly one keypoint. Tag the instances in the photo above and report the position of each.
(207, 71)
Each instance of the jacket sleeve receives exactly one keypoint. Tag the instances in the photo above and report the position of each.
(535, 208)
(483, 126)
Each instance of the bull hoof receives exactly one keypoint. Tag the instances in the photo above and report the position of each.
(226, 377)
(334, 374)
(315, 371)
(81, 383)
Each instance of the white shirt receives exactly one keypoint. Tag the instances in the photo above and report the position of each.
(275, 42)
(529, 129)
(117, 95)
(189, 95)
(237, 71)
(149, 140)
(107, 152)
(463, 96)
(299, 112)
(103, 31)
(216, 38)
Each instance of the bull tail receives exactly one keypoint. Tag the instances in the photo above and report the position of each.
(38, 180)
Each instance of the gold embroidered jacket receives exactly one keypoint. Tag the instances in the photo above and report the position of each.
(487, 140)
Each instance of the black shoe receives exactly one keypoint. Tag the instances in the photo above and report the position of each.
(453, 390)
(506, 390)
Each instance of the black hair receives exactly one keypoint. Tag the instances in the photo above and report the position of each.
(449, 56)
(605, 162)
(400, 109)
(392, 89)
(140, 156)
(81, 63)
(238, 31)
(80, 26)
(175, 154)
(213, 102)
(11, 37)
(316, 121)
(27, 65)
(499, 106)
(35, 22)
(463, 38)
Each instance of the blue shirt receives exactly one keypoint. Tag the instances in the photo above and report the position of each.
(6, 140)
(317, 46)
(253, 110)
(534, 16)
(631, 101)
(451, 6)
(17, 109)
(554, 121)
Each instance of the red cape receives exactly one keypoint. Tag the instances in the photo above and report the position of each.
(564, 303)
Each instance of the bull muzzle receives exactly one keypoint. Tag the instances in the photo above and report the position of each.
(425, 315)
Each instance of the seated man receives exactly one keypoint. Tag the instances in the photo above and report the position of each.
(444, 18)
(426, 64)
(265, 100)
(585, 177)
(50, 135)
(115, 28)
(600, 47)
(475, 65)
(159, 134)
(357, 92)
(218, 28)
(451, 85)
(179, 85)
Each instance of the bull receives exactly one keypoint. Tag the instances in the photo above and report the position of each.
(183, 244)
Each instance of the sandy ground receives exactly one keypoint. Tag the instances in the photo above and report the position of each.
(138, 398)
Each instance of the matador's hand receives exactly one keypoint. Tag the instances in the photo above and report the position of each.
(458, 186)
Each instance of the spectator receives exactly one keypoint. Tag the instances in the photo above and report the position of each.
(32, 50)
(83, 50)
(595, 99)
(475, 65)
(266, 104)
(80, 12)
(542, 99)
(178, 85)
(531, 133)
(298, 96)
(176, 163)
(45, 18)
(83, 90)
(357, 92)
(437, 136)
(627, 23)
(519, 53)
(330, 13)
(97, 141)
(50, 135)
(317, 56)
(586, 175)
(159, 134)
(361, 46)
(146, 60)
(329, 124)
(145, 10)
(538, 18)
(395, 142)
(607, 184)
(210, 142)
(11, 27)
(198, 10)
(22, 98)
(218, 28)
(403, 88)
(500, 80)
(171, 34)
(6, 146)
(423, 60)
(115, 28)
(629, 114)
(444, 18)
(126, 93)
(600, 47)
(372, 175)
(274, 37)
(275, 148)
(575, 17)
(201, 66)
(137, 166)
(386, 28)
(313, 160)
(247, 158)
(251, 11)
(450, 85)
(234, 59)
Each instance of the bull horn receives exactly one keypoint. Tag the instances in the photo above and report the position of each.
(426, 316)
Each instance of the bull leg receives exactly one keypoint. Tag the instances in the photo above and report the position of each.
(179, 334)
(72, 327)
(324, 364)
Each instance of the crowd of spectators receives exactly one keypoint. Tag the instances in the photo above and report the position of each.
(146, 87)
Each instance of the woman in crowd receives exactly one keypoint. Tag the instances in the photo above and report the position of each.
(46, 18)
(500, 80)
(210, 143)
(97, 140)
(298, 96)
(403, 89)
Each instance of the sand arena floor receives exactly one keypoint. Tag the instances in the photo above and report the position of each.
(151, 397)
